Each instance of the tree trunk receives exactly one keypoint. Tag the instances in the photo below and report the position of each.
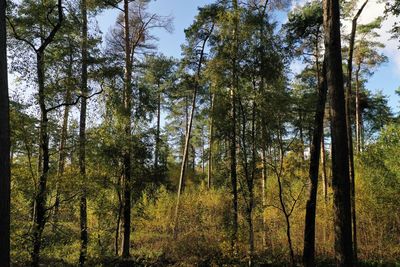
(340, 153)
(39, 219)
(82, 137)
(211, 138)
(234, 85)
(62, 152)
(358, 111)
(5, 176)
(349, 123)
(188, 132)
(126, 215)
(158, 140)
(309, 229)
(264, 197)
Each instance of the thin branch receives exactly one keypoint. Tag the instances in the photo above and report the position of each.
(74, 102)
(18, 37)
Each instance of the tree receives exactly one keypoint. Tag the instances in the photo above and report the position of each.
(340, 153)
(5, 175)
(349, 123)
(197, 35)
(132, 33)
(40, 209)
(159, 71)
(82, 134)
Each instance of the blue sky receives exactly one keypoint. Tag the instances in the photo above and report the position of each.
(386, 78)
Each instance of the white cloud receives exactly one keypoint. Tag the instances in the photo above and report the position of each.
(372, 10)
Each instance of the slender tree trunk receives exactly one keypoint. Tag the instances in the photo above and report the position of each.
(358, 111)
(264, 197)
(349, 123)
(309, 230)
(82, 137)
(340, 153)
(324, 173)
(184, 159)
(188, 133)
(285, 211)
(211, 138)
(5, 176)
(62, 153)
(158, 140)
(251, 184)
(324, 188)
(119, 215)
(41, 195)
(126, 215)
(234, 85)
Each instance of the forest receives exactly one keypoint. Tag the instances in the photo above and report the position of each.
(114, 154)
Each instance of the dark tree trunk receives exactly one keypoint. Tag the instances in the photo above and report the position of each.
(63, 140)
(349, 123)
(211, 141)
(126, 214)
(158, 140)
(5, 179)
(39, 219)
(188, 132)
(234, 85)
(82, 137)
(309, 230)
(340, 153)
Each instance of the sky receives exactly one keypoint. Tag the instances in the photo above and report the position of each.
(385, 78)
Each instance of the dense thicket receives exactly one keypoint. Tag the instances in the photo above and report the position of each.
(121, 155)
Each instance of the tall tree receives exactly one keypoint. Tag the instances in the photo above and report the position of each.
(82, 134)
(197, 35)
(5, 178)
(349, 123)
(340, 152)
(45, 40)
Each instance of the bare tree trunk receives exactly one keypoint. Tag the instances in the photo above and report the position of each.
(234, 85)
(324, 188)
(340, 153)
(126, 215)
(284, 210)
(324, 173)
(188, 133)
(211, 138)
(158, 140)
(349, 123)
(63, 140)
(82, 137)
(264, 197)
(358, 111)
(5, 175)
(118, 224)
(41, 195)
(309, 230)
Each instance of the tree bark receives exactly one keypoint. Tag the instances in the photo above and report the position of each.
(41, 195)
(358, 112)
(82, 137)
(158, 140)
(233, 171)
(211, 141)
(188, 133)
(126, 215)
(62, 152)
(309, 229)
(349, 123)
(340, 153)
(5, 175)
